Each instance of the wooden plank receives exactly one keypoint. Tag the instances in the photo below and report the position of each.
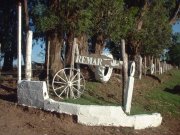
(98, 60)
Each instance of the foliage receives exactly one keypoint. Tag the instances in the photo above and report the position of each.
(7, 25)
(157, 31)
(45, 19)
(174, 51)
(172, 6)
(67, 16)
(117, 19)
(8, 32)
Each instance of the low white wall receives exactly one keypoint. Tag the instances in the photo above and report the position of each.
(34, 93)
(95, 115)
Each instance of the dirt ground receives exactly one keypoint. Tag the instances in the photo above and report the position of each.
(19, 120)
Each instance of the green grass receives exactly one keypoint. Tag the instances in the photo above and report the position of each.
(89, 97)
(89, 100)
(159, 100)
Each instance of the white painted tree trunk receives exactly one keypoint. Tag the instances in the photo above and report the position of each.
(152, 66)
(145, 65)
(129, 89)
(155, 66)
(124, 72)
(140, 67)
(159, 66)
(19, 42)
(28, 70)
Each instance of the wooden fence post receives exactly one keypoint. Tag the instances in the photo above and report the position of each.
(124, 72)
(48, 53)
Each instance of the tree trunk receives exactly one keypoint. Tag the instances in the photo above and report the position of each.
(28, 66)
(99, 44)
(26, 30)
(26, 15)
(159, 66)
(69, 46)
(155, 66)
(140, 67)
(149, 63)
(145, 65)
(137, 61)
(82, 44)
(151, 66)
(55, 54)
(8, 61)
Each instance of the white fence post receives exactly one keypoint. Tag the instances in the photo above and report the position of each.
(28, 70)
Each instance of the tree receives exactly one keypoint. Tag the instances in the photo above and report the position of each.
(174, 50)
(8, 33)
(8, 30)
(73, 18)
(152, 32)
(157, 31)
(174, 54)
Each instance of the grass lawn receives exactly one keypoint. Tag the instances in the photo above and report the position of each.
(164, 98)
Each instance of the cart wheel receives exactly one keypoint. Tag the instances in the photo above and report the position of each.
(68, 83)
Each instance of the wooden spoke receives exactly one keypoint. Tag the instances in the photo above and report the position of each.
(61, 78)
(59, 82)
(58, 88)
(63, 91)
(70, 85)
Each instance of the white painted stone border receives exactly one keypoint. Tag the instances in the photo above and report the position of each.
(91, 115)
(95, 115)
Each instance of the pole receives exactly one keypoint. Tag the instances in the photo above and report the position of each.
(48, 49)
(19, 43)
(124, 72)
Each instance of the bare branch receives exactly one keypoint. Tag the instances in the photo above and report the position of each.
(173, 19)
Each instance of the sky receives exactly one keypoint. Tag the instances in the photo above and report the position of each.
(176, 27)
(38, 50)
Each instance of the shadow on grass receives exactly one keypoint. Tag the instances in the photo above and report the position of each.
(175, 90)
(9, 94)
(154, 77)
